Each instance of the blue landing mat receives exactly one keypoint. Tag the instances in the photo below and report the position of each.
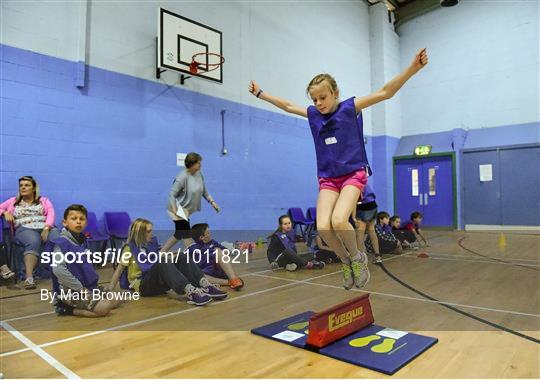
(375, 347)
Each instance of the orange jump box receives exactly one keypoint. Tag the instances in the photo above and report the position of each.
(338, 321)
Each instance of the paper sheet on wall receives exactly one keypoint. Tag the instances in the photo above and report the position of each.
(486, 173)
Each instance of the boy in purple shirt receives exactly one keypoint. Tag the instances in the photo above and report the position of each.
(211, 258)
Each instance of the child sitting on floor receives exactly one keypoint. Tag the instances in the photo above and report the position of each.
(413, 225)
(388, 243)
(406, 237)
(155, 277)
(75, 284)
(282, 252)
(212, 263)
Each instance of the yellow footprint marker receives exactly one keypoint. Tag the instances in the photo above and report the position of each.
(386, 346)
(364, 341)
(298, 326)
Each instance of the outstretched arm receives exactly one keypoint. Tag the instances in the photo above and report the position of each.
(390, 88)
(283, 104)
(423, 237)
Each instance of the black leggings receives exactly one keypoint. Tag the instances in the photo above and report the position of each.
(403, 235)
(3, 254)
(326, 256)
(171, 275)
(182, 229)
(385, 246)
(290, 257)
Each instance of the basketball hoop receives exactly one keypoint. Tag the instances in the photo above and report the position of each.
(195, 65)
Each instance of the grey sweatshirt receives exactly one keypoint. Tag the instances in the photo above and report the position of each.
(187, 190)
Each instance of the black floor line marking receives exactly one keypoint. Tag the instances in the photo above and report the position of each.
(492, 324)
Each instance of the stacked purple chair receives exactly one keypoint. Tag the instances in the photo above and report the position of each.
(298, 219)
(94, 234)
(117, 226)
(311, 215)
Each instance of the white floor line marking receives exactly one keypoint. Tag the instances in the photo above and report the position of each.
(156, 317)
(18, 351)
(38, 351)
(242, 274)
(406, 297)
(52, 312)
(257, 274)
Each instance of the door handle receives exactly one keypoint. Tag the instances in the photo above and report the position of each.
(420, 199)
(425, 199)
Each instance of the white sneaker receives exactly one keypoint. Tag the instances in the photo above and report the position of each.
(29, 283)
(360, 272)
(291, 267)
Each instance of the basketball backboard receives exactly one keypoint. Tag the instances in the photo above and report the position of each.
(179, 38)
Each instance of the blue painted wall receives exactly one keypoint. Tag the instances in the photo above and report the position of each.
(512, 197)
(502, 136)
(473, 79)
(383, 149)
(459, 139)
(112, 145)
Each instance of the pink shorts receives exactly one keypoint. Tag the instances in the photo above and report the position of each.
(357, 179)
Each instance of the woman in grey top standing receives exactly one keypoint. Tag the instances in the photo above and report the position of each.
(185, 198)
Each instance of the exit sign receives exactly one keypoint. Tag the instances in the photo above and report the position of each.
(422, 150)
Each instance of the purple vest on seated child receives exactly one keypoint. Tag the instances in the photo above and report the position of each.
(207, 253)
(339, 140)
(141, 257)
(84, 272)
(288, 239)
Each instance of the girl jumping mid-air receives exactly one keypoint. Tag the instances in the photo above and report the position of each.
(342, 165)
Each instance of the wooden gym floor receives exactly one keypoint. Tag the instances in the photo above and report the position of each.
(495, 289)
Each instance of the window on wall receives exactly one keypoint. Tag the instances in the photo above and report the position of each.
(414, 182)
(431, 174)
